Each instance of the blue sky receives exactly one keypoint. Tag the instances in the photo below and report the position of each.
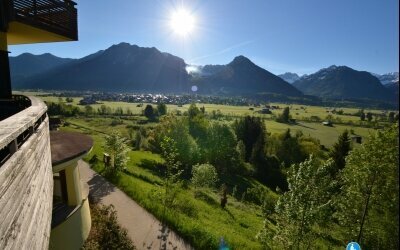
(278, 35)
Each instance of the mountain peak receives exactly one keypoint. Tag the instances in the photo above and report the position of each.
(343, 82)
(241, 60)
(388, 78)
(124, 44)
(289, 77)
(26, 54)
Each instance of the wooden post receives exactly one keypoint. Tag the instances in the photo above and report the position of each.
(5, 79)
(13, 146)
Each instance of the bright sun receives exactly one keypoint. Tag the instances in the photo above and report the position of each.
(182, 22)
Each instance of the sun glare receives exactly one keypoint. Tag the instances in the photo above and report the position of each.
(182, 22)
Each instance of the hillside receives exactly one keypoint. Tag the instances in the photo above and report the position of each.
(393, 88)
(27, 65)
(341, 82)
(121, 67)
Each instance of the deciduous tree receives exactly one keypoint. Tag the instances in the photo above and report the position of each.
(204, 176)
(116, 146)
(368, 206)
(304, 206)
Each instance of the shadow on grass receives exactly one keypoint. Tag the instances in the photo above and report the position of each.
(241, 183)
(143, 177)
(155, 167)
(201, 195)
(229, 212)
(304, 126)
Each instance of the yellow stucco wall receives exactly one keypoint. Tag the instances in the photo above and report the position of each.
(19, 33)
(72, 233)
(73, 185)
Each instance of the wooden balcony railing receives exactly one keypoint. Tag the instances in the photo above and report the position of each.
(17, 128)
(57, 16)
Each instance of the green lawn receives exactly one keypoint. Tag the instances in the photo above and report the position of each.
(327, 135)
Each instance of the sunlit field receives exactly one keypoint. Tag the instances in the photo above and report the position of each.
(327, 135)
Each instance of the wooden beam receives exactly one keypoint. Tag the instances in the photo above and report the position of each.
(5, 79)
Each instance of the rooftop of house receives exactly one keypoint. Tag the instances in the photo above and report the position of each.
(66, 146)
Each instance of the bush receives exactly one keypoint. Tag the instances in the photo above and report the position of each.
(255, 195)
(204, 176)
(162, 109)
(105, 232)
(150, 112)
(116, 122)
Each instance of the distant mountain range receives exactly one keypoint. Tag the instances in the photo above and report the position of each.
(27, 65)
(341, 82)
(130, 68)
(388, 78)
(289, 77)
(241, 76)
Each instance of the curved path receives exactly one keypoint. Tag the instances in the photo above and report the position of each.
(143, 228)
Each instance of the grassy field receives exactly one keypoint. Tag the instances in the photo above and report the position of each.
(299, 112)
(326, 135)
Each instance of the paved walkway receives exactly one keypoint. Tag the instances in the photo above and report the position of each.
(143, 228)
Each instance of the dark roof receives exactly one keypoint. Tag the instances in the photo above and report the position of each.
(66, 146)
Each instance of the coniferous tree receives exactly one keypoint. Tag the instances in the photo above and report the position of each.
(340, 151)
(248, 130)
(369, 116)
(391, 117)
(162, 109)
(285, 116)
(362, 116)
